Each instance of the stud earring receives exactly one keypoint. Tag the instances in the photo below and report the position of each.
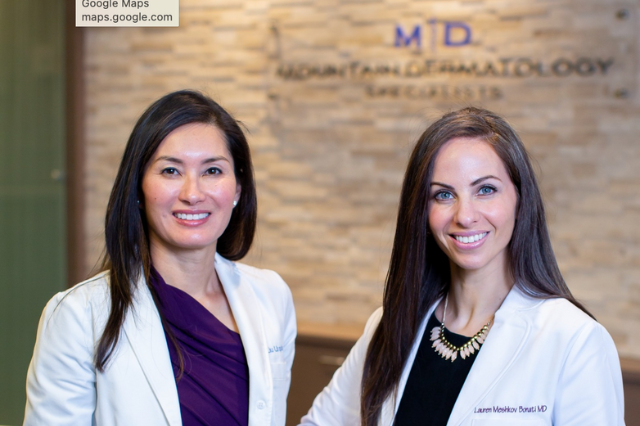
(235, 203)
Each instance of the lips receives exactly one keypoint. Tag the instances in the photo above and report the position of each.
(468, 239)
(189, 216)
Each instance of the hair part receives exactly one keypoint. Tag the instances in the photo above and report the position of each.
(419, 271)
(127, 255)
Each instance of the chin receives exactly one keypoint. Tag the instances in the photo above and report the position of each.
(193, 245)
(470, 264)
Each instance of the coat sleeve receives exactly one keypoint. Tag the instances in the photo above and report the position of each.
(290, 332)
(61, 378)
(590, 386)
(339, 403)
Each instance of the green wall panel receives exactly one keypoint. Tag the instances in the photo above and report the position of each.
(32, 202)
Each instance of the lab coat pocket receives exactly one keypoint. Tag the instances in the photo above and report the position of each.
(508, 422)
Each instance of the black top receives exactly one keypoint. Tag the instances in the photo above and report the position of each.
(434, 382)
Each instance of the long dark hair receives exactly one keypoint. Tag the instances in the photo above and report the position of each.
(419, 271)
(127, 243)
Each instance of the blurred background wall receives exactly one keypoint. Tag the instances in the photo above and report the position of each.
(333, 95)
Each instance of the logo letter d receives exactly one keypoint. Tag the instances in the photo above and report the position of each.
(460, 26)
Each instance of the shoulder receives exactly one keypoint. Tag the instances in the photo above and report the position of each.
(560, 312)
(263, 281)
(96, 287)
(562, 321)
(88, 298)
(262, 276)
(73, 319)
(570, 322)
(372, 322)
(271, 291)
(268, 285)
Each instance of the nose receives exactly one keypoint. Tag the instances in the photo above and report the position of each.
(191, 193)
(466, 213)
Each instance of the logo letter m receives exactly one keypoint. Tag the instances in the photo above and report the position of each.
(403, 40)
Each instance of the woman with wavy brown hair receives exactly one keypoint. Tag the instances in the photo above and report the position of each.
(174, 331)
(477, 325)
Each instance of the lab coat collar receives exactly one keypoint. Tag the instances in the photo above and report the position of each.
(143, 330)
(244, 304)
(503, 344)
(145, 334)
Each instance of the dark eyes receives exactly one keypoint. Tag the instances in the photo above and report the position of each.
(174, 171)
(169, 171)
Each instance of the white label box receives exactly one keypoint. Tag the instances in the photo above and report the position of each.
(127, 13)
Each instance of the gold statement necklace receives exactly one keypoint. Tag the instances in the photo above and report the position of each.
(450, 351)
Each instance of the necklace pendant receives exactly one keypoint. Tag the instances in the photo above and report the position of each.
(449, 351)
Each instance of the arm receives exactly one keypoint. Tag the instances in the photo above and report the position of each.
(590, 386)
(61, 378)
(339, 403)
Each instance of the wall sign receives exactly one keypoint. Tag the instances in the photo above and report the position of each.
(458, 60)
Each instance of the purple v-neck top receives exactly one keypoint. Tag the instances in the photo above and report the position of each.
(214, 388)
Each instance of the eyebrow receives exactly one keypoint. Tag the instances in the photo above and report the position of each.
(179, 161)
(441, 184)
(474, 183)
(482, 179)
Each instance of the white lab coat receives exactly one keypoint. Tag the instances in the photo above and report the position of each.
(544, 362)
(138, 386)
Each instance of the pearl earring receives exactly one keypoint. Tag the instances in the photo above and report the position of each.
(235, 203)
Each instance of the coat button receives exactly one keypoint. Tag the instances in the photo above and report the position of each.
(261, 405)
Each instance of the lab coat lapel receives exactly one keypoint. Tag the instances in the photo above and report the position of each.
(144, 332)
(391, 404)
(246, 310)
(503, 344)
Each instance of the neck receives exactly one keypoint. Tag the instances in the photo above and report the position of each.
(192, 271)
(474, 297)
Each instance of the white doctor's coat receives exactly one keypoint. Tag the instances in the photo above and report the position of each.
(138, 386)
(544, 362)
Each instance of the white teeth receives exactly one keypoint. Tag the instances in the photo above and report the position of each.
(471, 239)
(186, 216)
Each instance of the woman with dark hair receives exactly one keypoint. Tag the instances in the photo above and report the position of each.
(173, 332)
(477, 325)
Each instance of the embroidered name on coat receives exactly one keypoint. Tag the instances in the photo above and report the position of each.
(506, 409)
(274, 349)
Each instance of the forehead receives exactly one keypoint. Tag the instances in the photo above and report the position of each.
(194, 138)
(468, 157)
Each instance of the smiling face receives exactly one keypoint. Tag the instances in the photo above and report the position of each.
(472, 205)
(189, 187)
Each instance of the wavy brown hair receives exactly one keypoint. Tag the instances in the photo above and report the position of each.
(419, 271)
(127, 253)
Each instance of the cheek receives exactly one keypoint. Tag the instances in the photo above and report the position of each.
(147, 188)
(437, 219)
(155, 196)
(503, 218)
(224, 192)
